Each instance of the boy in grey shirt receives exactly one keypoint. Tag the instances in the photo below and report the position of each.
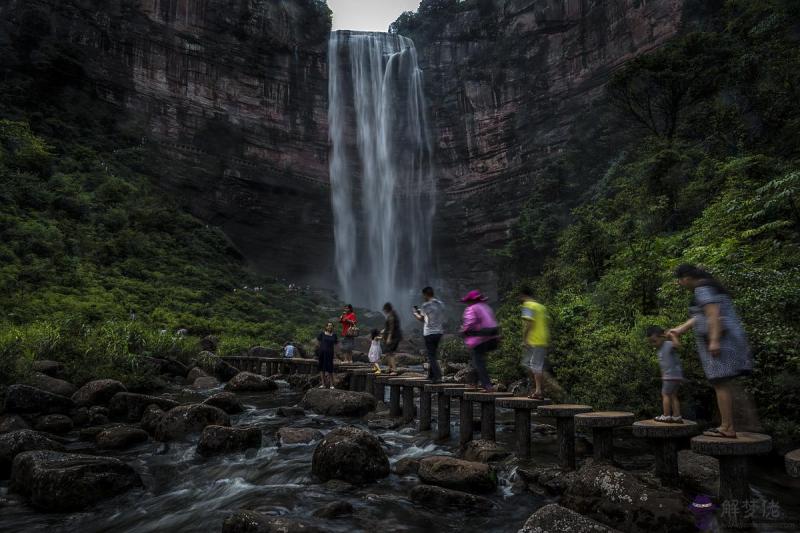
(671, 372)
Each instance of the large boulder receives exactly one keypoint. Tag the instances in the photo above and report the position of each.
(484, 451)
(217, 440)
(131, 406)
(179, 422)
(63, 482)
(27, 399)
(556, 519)
(224, 371)
(56, 424)
(289, 436)
(622, 500)
(205, 383)
(350, 454)
(339, 402)
(546, 480)
(406, 466)
(457, 474)
(150, 418)
(22, 440)
(98, 392)
(440, 498)
(195, 373)
(12, 423)
(47, 367)
(120, 437)
(698, 473)
(227, 401)
(255, 522)
(51, 384)
(249, 382)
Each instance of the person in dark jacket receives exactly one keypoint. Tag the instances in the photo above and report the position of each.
(392, 335)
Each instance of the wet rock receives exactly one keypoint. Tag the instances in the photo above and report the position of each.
(22, 440)
(338, 402)
(57, 424)
(440, 498)
(484, 451)
(27, 399)
(62, 482)
(406, 466)
(224, 371)
(618, 498)
(350, 454)
(467, 375)
(206, 383)
(180, 421)
(151, 417)
(384, 423)
(249, 382)
(457, 474)
(227, 401)
(48, 367)
(80, 417)
(548, 480)
(52, 385)
(131, 406)
(290, 411)
(12, 423)
(698, 473)
(217, 440)
(90, 433)
(195, 373)
(335, 510)
(302, 382)
(556, 519)
(97, 415)
(120, 437)
(290, 436)
(254, 522)
(98, 392)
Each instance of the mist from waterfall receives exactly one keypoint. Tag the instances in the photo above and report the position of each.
(382, 185)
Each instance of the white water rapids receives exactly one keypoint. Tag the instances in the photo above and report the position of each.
(383, 189)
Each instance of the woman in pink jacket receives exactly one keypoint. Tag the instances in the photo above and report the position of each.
(481, 334)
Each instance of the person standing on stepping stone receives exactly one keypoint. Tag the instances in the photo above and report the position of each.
(326, 342)
(392, 335)
(721, 341)
(349, 323)
(432, 315)
(535, 339)
(481, 334)
(671, 373)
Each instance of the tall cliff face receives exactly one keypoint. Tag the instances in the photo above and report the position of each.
(229, 97)
(512, 88)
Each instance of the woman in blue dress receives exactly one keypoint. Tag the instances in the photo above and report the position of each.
(721, 340)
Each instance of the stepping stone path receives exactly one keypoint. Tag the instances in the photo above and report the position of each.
(732, 455)
(602, 424)
(408, 385)
(443, 407)
(792, 461)
(465, 427)
(665, 439)
(565, 428)
(486, 399)
(522, 419)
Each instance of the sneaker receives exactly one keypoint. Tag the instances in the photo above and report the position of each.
(676, 419)
(322, 386)
(663, 418)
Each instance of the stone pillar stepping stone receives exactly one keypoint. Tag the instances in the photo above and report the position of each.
(792, 461)
(465, 413)
(665, 438)
(369, 384)
(732, 454)
(565, 427)
(380, 387)
(522, 419)
(443, 406)
(406, 388)
(602, 424)
(487, 399)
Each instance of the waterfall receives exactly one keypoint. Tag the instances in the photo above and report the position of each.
(382, 185)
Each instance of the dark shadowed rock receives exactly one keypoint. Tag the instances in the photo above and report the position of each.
(698, 473)
(350, 454)
(98, 392)
(120, 437)
(206, 383)
(47, 367)
(254, 522)
(406, 466)
(61, 482)
(131, 406)
(27, 399)
(338, 402)
(457, 474)
(90, 433)
(53, 385)
(556, 519)
(618, 498)
(12, 423)
(440, 499)
(227, 401)
(484, 451)
(334, 510)
(290, 436)
(151, 417)
(224, 371)
(183, 420)
(98, 415)
(546, 480)
(57, 424)
(217, 440)
(249, 382)
(22, 440)
(467, 375)
(195, 373)
(290, 411)
(209, 343)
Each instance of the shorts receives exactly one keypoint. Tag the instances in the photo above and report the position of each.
(533, 358)
(348, 344)
(670, 386)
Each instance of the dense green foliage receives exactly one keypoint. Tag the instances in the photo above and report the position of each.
(97, 268)
(710, 176)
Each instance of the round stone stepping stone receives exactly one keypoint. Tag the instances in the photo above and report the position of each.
(486, 397)
(520, 402)
(604, 419)
(564, 414)
(792, 461)
(733, 454)
(665, 438)
(522, 407)
(653, 429)
(439, 387)
(563, 410)
(459, 392)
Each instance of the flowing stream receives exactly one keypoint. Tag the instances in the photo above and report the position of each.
(382, 185)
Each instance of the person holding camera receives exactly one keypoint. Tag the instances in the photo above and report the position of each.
(432, 315)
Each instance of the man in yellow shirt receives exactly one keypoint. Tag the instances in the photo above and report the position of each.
(535, 340)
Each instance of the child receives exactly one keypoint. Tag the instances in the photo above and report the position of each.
(671, 372)
(289, 350)
(375, 351)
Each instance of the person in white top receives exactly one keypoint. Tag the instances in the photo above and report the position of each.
(432, 315)
(375, 351)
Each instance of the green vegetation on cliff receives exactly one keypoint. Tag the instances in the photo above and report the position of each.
(711, 176)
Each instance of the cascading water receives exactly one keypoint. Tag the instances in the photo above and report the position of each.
(383, 191)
